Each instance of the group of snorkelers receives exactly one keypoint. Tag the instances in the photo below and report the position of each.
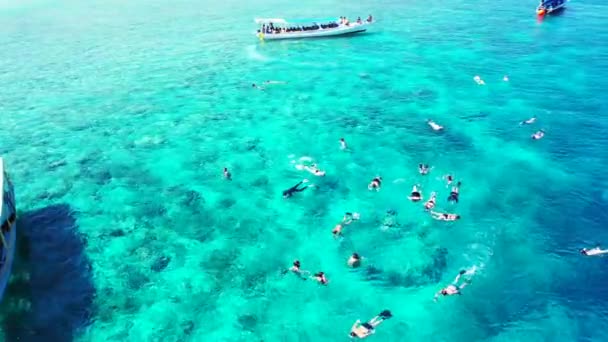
(538, 134)
(416, 194)
(363, 330)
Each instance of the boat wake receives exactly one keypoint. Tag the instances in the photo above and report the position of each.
(252, 53)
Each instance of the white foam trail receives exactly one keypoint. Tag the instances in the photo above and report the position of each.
(255, 55)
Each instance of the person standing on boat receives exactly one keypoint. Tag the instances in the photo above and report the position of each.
(359, 20)
(370, 19)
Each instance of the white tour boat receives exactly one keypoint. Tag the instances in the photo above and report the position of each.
(8, 230)
(276, 28)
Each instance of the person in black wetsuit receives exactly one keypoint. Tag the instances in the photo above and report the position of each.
(455, 193)
(289, 192)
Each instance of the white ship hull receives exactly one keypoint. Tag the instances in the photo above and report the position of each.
(330, 32)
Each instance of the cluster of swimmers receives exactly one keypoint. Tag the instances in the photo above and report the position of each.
(416, 194)
(538, 134)
(362, 330)
(463, 279)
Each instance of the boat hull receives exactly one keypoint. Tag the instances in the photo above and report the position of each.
(8, 228)
(339, 31)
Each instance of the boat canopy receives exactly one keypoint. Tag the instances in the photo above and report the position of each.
(279, 21)
(551, 2)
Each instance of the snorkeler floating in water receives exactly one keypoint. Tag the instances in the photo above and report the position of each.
(359, 330)
(390, 220)
(289, 192)
(594, 251)
(478, 80)
(529, 121)
(305, 164)
(444, 216)
(295, 268)
(424, 169)
(375, 183)
(275, 82)
(354, 261)
(415, 196)
(430, 204)
(320, 277)
(227, 174)
(454, 288)
(538, 135)
(455, 193)
(314, 170)
(255, 86)
(343, 145)
(346, 220)
(449, 179)
(434, 126)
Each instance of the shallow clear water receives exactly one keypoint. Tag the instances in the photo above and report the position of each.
(118, 119)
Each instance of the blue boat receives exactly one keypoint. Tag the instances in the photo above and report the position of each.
(8, 219)
(550, 6)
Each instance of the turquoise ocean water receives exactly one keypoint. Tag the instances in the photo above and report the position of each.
(118, 117)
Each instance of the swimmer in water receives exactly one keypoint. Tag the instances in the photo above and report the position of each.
(538, 135)
(289, 192)
(275, 82)
(227, 174)
(337, 231)
(255, 86)
(593, 251)
(430, 204)
(424, 169)
(454, 288)
(444, 216)
(415, 196)
(350, 218)
(354, 261)
(343, 145)
(375, 183)
(529, 121)
(434, 126)
(454, 194)
(320, 277)
(478, 80)
(449, 179)
(314, 170)
(359, 330)
(390, 220)
(505, 78)
(346, 220)
(295, 268)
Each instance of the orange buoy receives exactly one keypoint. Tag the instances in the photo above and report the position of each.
(541, 11)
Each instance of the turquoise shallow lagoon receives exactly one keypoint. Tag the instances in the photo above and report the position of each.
(119, 117)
